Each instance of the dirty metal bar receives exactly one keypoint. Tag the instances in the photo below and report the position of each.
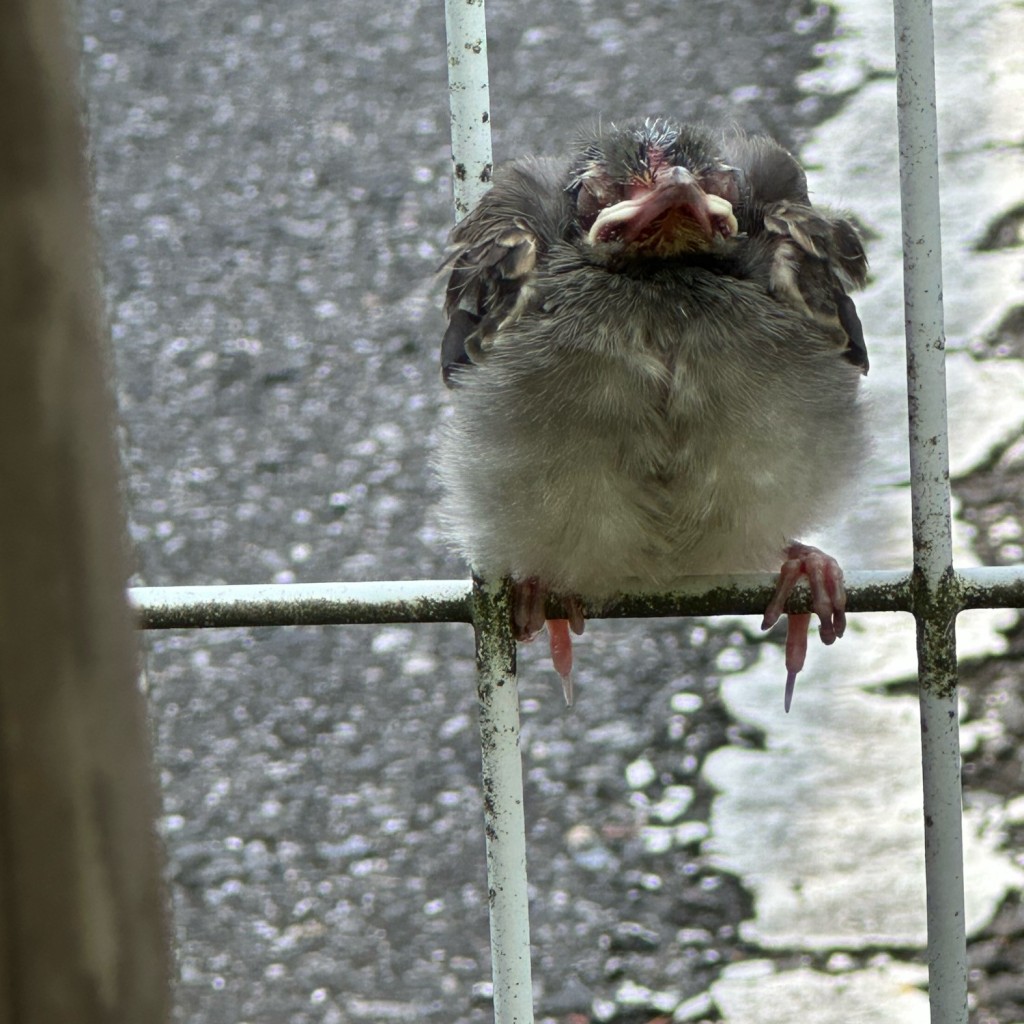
(991, 587)
(747, 594)
(302, 604)
(504, 820)
(470, 101)
(934, 582)
(338, 604)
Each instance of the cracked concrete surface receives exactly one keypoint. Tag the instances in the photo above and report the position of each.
(830, 839)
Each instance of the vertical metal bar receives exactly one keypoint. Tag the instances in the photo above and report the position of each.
(935, 601)
(470, 99)
(504, 821)
(922, 288)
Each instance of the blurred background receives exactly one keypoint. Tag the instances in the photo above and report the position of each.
(273, 201)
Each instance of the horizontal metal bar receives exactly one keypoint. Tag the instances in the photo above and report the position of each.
(302, 604)
(338, 604)
(992, 587)
(748, 594)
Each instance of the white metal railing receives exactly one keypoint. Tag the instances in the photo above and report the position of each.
(485, 607)
(929, 480)
(933, 592)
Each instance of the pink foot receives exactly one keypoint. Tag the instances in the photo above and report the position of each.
(528, 609)
(528, 620)
(828, 598)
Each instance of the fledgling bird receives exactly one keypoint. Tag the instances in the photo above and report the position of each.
(655, 368)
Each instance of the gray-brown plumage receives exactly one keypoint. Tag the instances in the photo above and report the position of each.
(803, 255)
(655, 369)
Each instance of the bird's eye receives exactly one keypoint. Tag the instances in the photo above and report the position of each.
(725, 181)
(594, 195)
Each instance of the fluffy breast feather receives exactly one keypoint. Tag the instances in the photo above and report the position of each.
(626, 431)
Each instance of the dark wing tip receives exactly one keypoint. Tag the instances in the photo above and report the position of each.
(455, 343)
(856, 348)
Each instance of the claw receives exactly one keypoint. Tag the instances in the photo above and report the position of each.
(528, 620)
(828, 599)
(561, 655)
(575, 610)
(796, 652)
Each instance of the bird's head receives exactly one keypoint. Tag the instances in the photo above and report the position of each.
(655, 189)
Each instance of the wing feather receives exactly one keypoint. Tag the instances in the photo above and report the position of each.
(811, 257)
(494, 257)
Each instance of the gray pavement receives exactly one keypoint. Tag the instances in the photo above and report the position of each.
(273, 200)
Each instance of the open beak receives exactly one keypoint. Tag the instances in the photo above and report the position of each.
(674, 213)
